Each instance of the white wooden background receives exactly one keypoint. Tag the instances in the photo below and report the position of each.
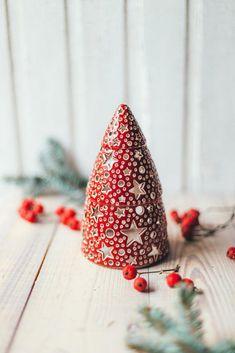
(66, 64)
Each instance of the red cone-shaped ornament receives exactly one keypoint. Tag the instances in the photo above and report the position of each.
(124, 220)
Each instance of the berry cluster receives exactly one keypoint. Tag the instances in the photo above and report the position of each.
(67, 216)
(191, 227)
(174, 279)
(188, 221)
(231, 253)
(130, 272)
(140, 284)
(30, 210)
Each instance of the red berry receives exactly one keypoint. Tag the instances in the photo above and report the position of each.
(187, 222)
(187, 229)
(70, 212)
(59, 211)
(140, 284)
(31, 217)
(173, 279)
(231, 253)
(184, 215)
(188, 282)
(28, 204)
(22, 212)
(38, 208)
(193, 216)
(74, 223)
(193, 212)
(64, 219)
(175, 216)
(129, 272)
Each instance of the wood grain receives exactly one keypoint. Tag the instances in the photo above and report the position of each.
(9, 133)
(75, 306)
(86, 303)
(96, 37)
(66, 64)
(193, 68)
(206, 263)
(22, 250)
(217, 108)
(156, 62)
(39, 53)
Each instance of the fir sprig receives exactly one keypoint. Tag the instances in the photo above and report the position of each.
(156, 332)
(57, 175)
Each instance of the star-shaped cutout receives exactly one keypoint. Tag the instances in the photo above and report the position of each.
(120, 212)
(106, 188)
(127, 171)
(106, 251)
(115, 142)
(109, 160)
(95, 213)
(122, 199)
(138, 189)
(138, 154)
(155, 252)
(133, 234)
(94, 232)
(123, 128)
(132, 260)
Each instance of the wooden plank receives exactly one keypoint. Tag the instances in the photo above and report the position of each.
(212, 101)
(50, 84)
(218, 79)
(22, 250)
(78, 307)
(206, 263)
(9, 199)
(96, 35)
(85, 304)
(156, 62)
(39, 54)
(9, 147)
(193, 68)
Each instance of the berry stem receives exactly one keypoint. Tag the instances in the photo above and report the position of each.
(176, 269)
(206, 231)
(197, 290)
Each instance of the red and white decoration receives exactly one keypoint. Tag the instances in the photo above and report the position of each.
(124, 220)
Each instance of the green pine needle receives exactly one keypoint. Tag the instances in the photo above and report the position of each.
(189, 321)
(57, 175)
(156, 332)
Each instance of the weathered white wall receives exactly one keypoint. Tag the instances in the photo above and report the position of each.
(66, 65)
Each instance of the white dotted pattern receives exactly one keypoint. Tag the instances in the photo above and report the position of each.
(124, 215)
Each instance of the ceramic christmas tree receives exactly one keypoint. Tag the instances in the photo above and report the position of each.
(124, 220)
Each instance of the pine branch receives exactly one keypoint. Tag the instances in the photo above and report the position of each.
(57, 175)
(157, 319)
(188, 317)
(54, 163)
(156, 332)
(32, 186)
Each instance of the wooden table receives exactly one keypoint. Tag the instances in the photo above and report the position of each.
(55, 301)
